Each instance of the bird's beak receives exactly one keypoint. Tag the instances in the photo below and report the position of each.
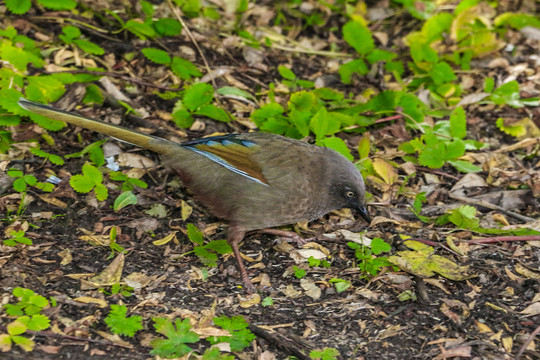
(363, 212)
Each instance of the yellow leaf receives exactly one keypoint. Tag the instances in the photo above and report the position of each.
(424, 263)
(5, 342)
(166, 239)
(385, 170)
(186, 210)
(507, 344)
(90, 300)
(110, 276)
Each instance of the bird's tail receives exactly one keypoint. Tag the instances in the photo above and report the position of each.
(150, 142)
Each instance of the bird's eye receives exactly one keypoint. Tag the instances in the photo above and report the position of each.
(349, 194)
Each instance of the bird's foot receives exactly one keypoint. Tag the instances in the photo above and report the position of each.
(289, 235)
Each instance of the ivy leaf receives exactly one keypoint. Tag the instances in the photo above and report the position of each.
(464, 217)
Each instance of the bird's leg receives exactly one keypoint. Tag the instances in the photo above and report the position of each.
(287, 234)
(234, 237)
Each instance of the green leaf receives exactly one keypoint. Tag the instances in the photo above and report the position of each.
(177, 338)
(378, 246)
(325, 354)
(71, 32)
(16, 327)
(240, 337)
(194, 235)
(359, 37)
(140, 29)
(38, 322)
(340, 284)
(58, 4)
(380, 55)
(464, 217)
(124, 199)
(458, 123)
(300, 119)
(198, 95)
(433, 157)
(220, 246)
(442, 73)
(464, 166)
(266, 112)
(184, 69)
(286, 73)
(347, 70)
(455, 149)
(235, 92)
(156, 55)
(338, 145)
(120, 324)
(168, 27)
(89, 47)
(101, 192)
(182, 118)
(213, 112)
(507, 94)
(93, 95)
(18, 7)
(322, 124)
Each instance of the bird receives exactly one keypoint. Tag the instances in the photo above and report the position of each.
(253, 180)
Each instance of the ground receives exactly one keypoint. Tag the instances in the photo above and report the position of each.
(488, 310)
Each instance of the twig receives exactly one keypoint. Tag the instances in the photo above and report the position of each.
(442, 173)
(531, 338)
(280, 341)
(192, 38)
(389, 118)
(503, 238)
(434, 243)
(491, 206)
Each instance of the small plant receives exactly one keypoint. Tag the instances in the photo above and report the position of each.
(240, 337)
(128, 183)
(177, 334)
(182, 68)
(292, 81)
(369, 264)
(298, 272)
(120, 324)
(29, 317)
(55, 159)
(22, 182)
(340, 284)
(197, 100)
(17, 237)
(71, 35)
(206, 252)
(90, 179)
(444, 144)
(312, 262)
(325, 354)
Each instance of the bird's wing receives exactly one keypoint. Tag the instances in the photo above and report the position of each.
(231, 152)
